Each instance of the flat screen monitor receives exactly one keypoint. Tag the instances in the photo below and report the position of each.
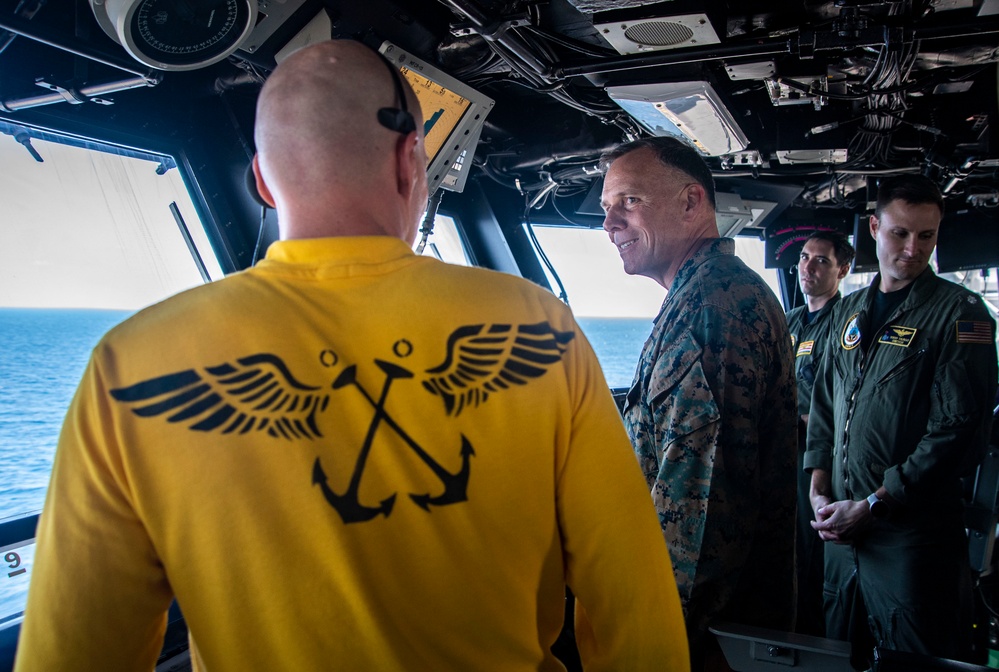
(866, 260)
(453, 115)
(967, 241)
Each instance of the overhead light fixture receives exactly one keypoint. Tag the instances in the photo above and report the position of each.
(734, 213)
(690, 110)
(791, 157)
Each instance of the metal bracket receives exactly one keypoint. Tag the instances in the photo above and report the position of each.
(810, 42)
(71, 96)
(492, 31)
(24, 138)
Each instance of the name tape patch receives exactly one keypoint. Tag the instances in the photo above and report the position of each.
(900, 336)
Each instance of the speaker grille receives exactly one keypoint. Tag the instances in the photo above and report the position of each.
(659, 33)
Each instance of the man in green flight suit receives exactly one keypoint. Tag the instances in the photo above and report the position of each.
(900, 412)
(824, 261)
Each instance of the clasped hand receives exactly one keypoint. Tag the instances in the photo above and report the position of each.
(841, 522)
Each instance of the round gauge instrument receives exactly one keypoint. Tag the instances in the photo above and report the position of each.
(177, 34)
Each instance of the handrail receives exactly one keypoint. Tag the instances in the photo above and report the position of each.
(14, 533)
(18, 530)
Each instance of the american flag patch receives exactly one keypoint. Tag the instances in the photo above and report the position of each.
(969, 331)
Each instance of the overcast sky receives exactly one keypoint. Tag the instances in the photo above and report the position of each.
(593, 274)
(85, 229)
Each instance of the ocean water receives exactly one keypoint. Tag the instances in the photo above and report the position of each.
(43, 354)
(618, 343)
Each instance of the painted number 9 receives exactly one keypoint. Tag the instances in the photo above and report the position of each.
(13, 561)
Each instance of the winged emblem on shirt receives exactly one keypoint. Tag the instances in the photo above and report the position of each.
(485, 359)
(260, 393)
(254, 393)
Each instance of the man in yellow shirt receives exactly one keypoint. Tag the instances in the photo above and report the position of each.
(348, 456)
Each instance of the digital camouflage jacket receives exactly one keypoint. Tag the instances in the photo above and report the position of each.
(711, 414)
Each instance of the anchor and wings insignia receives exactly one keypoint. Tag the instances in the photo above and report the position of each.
(259, 393)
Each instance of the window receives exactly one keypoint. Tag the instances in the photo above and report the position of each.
(982, 282)
(615, 310)
(445, 242)
(89, 238)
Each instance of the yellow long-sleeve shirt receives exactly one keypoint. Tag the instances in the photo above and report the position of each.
(349, 457)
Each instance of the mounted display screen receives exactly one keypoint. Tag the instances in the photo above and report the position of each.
(866, 260)
(967, 241)
(453, 114)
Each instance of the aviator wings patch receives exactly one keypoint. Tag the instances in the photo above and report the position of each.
(257, 393)
(484, 359)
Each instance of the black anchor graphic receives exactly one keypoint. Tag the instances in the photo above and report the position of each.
(348, 504)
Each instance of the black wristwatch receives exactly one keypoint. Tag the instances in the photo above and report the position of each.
(879, 507)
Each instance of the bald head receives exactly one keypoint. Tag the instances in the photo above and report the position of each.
(323, 157)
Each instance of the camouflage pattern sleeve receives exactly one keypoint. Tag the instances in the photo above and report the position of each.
(708, 393)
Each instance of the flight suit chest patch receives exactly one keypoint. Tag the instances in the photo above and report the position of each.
(898, 335)
(805, 348)
(851, 333)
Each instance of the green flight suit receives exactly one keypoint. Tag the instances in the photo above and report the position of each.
(911, 414)
(809, 341)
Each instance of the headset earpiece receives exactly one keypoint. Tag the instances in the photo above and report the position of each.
(251, 186)
(398, 119)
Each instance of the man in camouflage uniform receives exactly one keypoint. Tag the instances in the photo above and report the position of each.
(901, 410)
(711, 412)
(824, 261)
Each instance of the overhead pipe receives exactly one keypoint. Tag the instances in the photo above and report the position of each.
(989, 26)
(498, 32)
(757, 48)
(73, 45)
(74, 96)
